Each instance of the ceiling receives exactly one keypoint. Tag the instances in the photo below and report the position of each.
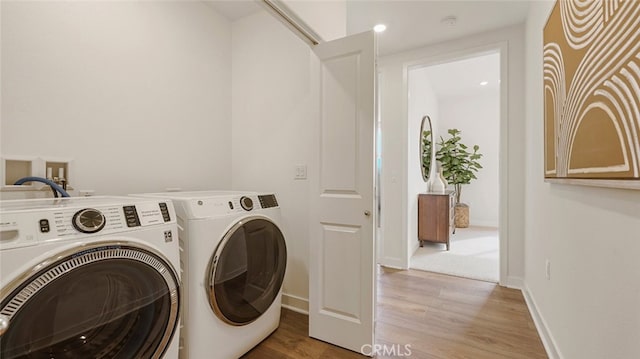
(463, 77)
(235, 9)
(412, 23)
(415, 23)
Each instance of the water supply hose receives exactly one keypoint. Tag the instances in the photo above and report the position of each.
(54, 186)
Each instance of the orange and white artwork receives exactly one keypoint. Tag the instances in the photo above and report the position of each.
(592, 90)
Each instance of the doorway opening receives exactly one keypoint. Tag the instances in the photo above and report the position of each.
(460, 94)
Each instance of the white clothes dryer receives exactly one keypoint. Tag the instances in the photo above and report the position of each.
(234, 261)
(89, 277)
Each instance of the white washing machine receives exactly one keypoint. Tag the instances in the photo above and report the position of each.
(91, 277)
(234, 261)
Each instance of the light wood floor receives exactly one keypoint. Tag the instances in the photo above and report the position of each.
(439, 316)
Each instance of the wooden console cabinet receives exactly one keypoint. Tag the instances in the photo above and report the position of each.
(436, 217)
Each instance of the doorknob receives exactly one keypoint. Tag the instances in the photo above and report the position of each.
(367, 213)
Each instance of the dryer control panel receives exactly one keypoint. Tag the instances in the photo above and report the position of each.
(268, 201)
(224, 205)
(74, 218)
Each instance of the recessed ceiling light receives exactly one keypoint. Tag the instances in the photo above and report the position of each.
(380, 28)
(484, 83)
(449, 20)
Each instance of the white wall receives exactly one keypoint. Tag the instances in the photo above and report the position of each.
(272, 115)
(392, 249)
(136, 93)
(590, 235)
(422, 101)
(511, 41)
(143, 92)
(327, 18)
(478, 117)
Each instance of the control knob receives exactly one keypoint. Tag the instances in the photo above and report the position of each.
(88, 220)
(246, 203)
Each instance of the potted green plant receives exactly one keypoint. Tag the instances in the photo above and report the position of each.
(459, 165)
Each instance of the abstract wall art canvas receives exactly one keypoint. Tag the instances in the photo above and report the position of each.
(592, 91)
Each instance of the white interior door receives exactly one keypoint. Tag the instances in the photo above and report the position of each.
(342, 285)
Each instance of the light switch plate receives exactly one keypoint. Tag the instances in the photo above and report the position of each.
(300, 172)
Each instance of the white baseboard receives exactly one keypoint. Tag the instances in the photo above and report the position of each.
(543, 330)
(513, 282)
(295, 303)
(392, 262)
(392, 267)
(477, 223)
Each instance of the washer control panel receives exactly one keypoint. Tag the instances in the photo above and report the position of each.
(74, 219)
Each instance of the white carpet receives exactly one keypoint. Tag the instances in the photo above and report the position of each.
(473, 254)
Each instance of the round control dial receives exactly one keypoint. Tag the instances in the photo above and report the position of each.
(88, 220)
(246, 203)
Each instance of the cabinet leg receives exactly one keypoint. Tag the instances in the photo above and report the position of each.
(447, 245)
(421, 244)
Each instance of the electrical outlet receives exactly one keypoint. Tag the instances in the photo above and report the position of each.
(547, 268)
(300, 172)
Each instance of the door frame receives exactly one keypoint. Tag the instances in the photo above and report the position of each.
(501, 47)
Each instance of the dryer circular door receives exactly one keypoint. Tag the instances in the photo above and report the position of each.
(108, 300)
(246, 271)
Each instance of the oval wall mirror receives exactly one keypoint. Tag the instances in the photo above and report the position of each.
(426, 141)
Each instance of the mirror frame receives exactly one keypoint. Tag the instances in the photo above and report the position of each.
(426, 172)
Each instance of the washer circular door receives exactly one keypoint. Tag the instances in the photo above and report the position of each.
(100, 301)
(246, 271)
